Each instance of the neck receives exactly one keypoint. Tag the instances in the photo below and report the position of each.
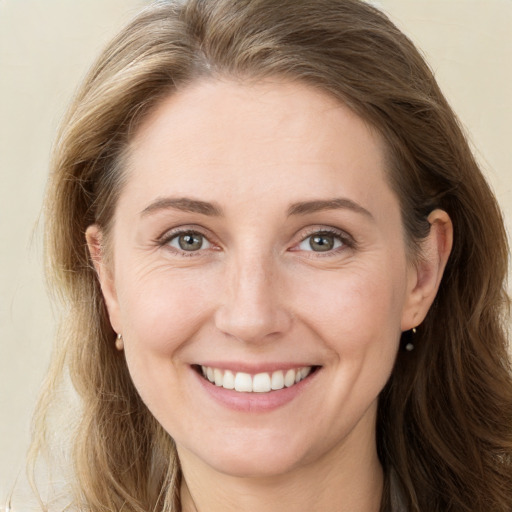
(345, 480)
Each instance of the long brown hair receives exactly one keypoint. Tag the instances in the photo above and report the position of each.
(445, 418)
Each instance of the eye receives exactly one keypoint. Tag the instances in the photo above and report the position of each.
(321, 242)
(189, 241)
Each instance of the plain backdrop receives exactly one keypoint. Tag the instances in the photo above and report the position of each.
(46, 46)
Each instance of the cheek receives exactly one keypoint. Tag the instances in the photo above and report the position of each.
(161, 312)
(356, 307)
(162, 308)
(356, 314)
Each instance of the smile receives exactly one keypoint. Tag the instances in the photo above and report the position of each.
(259, 383)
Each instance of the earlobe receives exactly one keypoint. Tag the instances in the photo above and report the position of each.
(94, 238)
(426, 273)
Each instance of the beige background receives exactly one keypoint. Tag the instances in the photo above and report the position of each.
(45, 48)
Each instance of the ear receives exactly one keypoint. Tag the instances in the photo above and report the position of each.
(424, 275)
(94, 238)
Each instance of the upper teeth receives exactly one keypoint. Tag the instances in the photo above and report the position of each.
(259, 383)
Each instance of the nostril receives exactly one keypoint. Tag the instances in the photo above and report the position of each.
(253, 322)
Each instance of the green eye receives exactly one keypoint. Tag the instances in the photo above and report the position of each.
(189, 242)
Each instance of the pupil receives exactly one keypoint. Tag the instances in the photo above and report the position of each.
(321, 243)
(190, 242)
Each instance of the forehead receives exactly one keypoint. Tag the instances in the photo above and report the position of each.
(254, 139)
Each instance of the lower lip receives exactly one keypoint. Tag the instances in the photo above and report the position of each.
(254, 402)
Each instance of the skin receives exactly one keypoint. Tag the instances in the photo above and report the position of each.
(256, 292)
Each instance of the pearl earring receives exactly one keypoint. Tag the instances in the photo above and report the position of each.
(119, 342)
(410, 346)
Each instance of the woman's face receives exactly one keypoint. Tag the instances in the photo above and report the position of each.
(257, 239)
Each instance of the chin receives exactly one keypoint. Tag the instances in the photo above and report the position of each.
(255, 467)
(254, 459)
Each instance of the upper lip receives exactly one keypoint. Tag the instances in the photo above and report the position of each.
(254, 368)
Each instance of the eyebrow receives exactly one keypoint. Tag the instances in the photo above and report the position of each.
(210, 209)
(307, 207)
(184, 204)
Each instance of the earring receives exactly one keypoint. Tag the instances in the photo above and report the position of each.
(410, 345)
(119, 342)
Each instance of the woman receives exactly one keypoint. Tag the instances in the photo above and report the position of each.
(284, 270)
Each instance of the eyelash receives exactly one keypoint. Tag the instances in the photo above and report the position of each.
(169, 236)
(346, 240)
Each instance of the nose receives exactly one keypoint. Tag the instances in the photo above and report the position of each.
(252, 309)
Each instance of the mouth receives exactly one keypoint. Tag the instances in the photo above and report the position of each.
(264, 382)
